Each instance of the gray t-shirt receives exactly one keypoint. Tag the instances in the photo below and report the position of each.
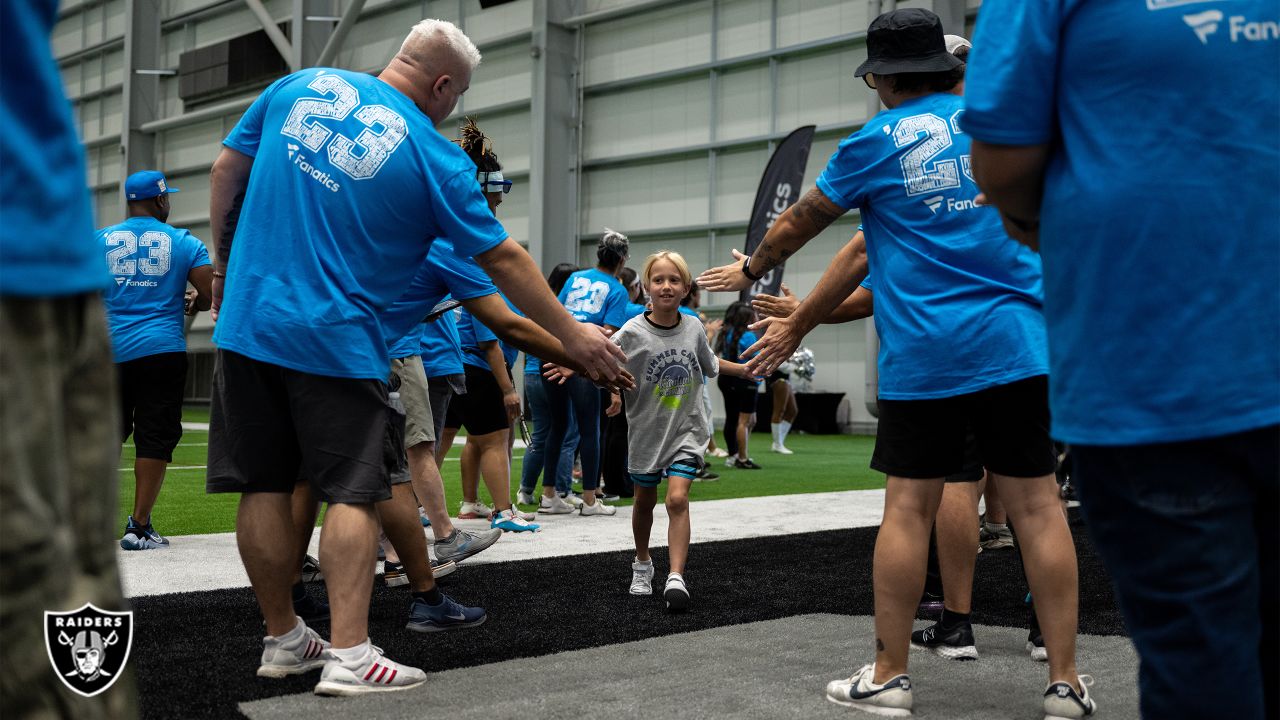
(666, 417)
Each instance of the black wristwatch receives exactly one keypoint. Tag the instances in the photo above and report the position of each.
(746, 270)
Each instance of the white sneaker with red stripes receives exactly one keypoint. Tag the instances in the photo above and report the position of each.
(298, 651)
(370, 673)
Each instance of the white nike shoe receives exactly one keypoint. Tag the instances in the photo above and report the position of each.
(598, 508)
(525, 498)
(891, 699)
(474, 510)
(554, 506)
(782, 449)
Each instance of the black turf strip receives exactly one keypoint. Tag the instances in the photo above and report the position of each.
(195, 653)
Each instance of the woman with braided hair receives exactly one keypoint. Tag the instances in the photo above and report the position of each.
(492, 402)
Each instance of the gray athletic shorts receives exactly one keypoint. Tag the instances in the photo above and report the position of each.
(441, 389)
(419, 425)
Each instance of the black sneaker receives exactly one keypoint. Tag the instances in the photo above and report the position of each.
(393, 574)
(747, 464)
(952, 643)
(930, 603)
(307, 607)
(705, 475)
(311, 569)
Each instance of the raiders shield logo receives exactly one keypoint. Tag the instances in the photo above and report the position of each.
(88, 647)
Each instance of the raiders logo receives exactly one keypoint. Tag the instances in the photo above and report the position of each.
(88, 647)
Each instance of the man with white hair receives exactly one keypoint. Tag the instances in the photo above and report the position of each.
(350, 184)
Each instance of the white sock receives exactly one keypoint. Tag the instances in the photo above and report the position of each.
(784, 427)
(777, 432)
(295, 634)
(648, 562)
(351, 654)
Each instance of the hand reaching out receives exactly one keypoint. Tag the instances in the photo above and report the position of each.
(776, 306)
(726, 277)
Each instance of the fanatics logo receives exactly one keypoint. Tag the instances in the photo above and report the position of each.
(934, 203)
(1204, 23)
(119, 281)
(292, 149)
(88, 647)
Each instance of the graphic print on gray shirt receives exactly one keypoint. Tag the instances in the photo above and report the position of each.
(666, 417)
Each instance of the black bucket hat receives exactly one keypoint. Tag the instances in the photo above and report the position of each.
(906, 41)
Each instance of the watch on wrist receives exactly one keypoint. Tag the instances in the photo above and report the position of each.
(746, 270)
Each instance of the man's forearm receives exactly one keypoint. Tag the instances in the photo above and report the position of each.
(857, 306)
(518, 277)
(847, 270)
(793, 229)
(520, 332)
(1012, 177)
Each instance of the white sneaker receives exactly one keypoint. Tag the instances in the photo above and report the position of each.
(554, 505)
(642, 578)
(720, 453)
(780, 448)
(676, 593)
(371, 673)
(525, 498)
(892, 699)
(472, 511)
(304, 653)
(1062, 702)
(731, 461)
(573, 499)
(598, 508)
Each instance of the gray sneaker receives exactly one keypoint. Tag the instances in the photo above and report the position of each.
(462, 544)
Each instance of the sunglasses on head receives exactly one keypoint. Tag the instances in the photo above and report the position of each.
(493, 186)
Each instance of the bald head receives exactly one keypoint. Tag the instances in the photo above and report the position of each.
(433, 67)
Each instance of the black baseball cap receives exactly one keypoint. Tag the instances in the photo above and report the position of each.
(906, 41)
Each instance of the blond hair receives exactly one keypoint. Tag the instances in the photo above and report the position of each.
(672, 257)
(431, 33)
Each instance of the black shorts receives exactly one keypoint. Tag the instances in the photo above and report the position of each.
(441, 392)
(926, 438)
(775, 377)
(743, 393)
(270, 425)
(481, 411)
(393, 450)
(972, 471)
(151, 390)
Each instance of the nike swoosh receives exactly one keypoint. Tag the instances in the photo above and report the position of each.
(456, 617)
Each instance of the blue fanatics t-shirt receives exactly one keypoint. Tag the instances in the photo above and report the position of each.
(595, 297)
(685, 310)
(631, 310)
(957, 302)
(1160, 225)
(445, 273)
(441, 348)
(149, 262)
(47, 245)
(350, 185)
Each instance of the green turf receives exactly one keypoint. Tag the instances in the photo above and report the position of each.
(822, 463)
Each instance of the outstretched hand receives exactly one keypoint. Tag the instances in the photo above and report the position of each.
(776, 306)
(776, 345)
(615, 405)
(725, 278)
(590, 345)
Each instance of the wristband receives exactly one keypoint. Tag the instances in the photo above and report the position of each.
(746, 270)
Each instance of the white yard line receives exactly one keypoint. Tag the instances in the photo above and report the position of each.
(211, 562)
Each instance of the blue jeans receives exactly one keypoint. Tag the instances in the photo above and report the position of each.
(1189, 533)
(536, 394)
(581, 399)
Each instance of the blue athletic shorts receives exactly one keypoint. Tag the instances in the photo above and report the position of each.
(686, 467)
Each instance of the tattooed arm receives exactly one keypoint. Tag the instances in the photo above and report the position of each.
(227, 184)
(791, 231)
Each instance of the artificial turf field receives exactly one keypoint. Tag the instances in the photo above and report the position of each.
(822, 463)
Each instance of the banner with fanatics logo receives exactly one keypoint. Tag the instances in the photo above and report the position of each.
(779, 189)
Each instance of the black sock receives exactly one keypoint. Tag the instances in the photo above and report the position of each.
(450, 537)
(952, 619)
(431, 597)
